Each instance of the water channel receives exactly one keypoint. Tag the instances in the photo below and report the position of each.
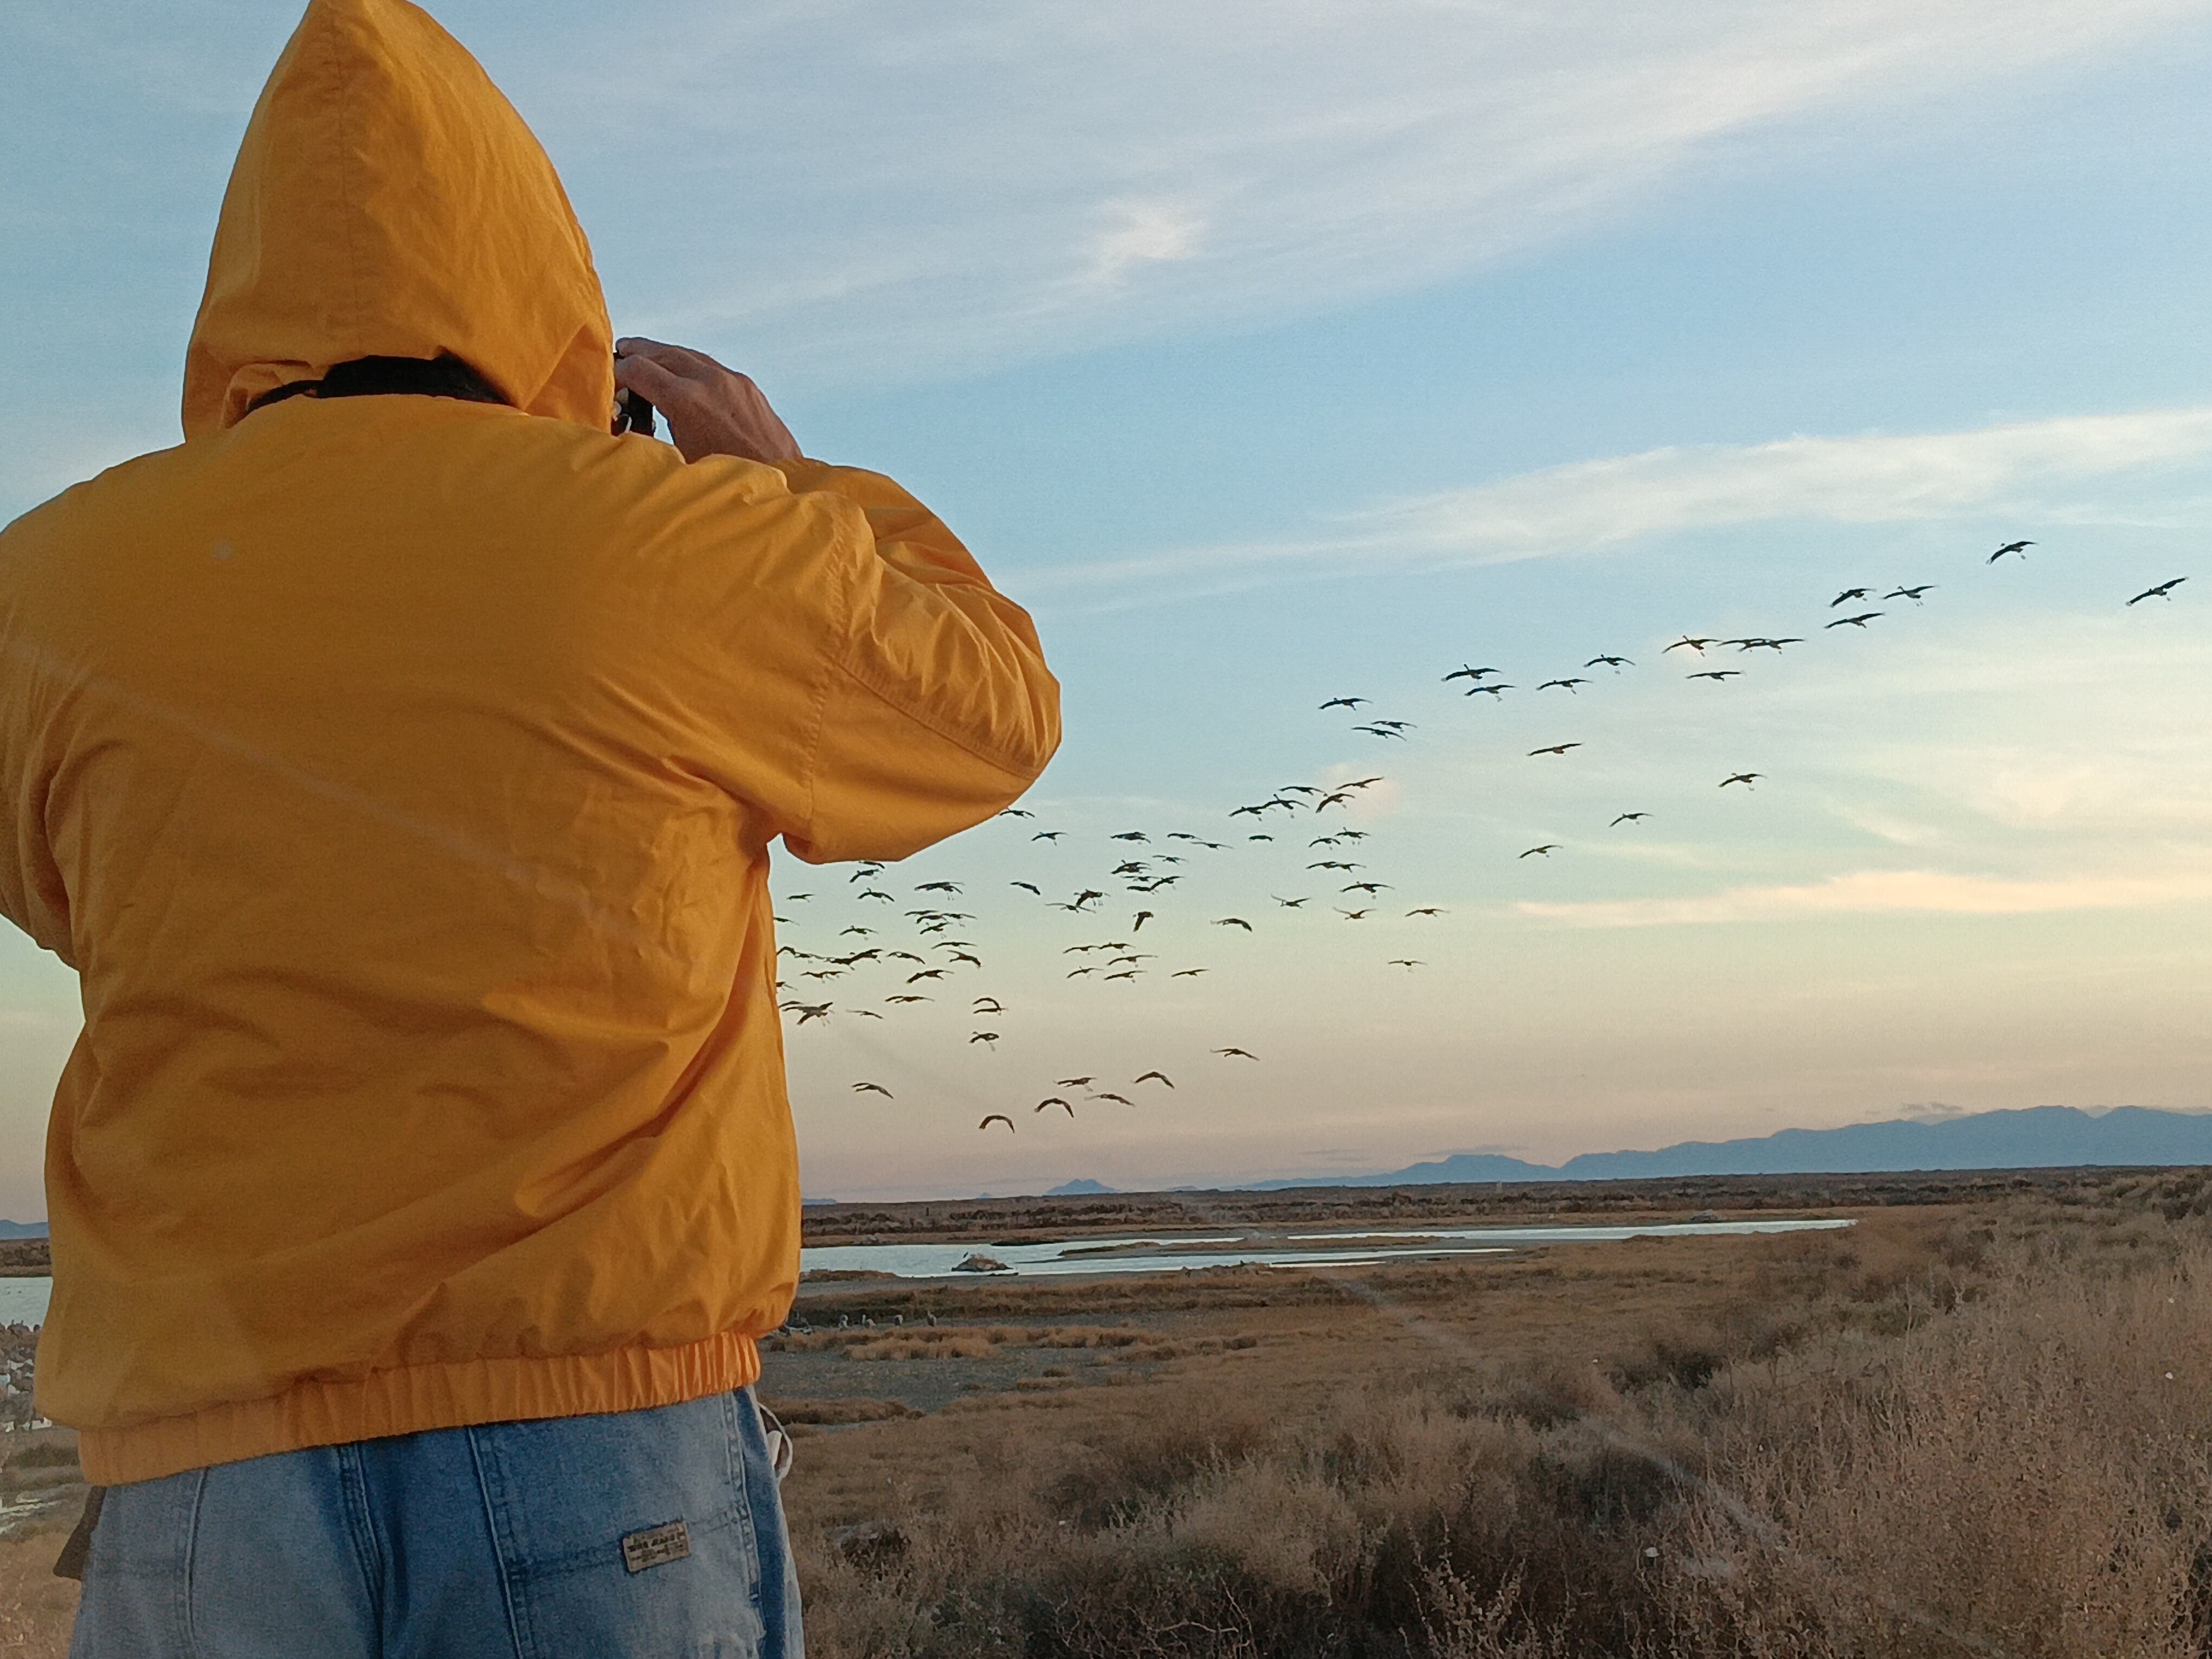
(1353, 1248)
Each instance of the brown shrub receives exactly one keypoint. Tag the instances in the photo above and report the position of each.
(1970, 1444)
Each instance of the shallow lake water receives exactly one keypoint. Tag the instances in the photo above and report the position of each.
(1350, 1248)
(23, 1301)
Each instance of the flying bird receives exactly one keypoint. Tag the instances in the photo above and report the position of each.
(1716, 674)
(1051, 1101)
(906, 998)
(871, 1088)
(2163, 591)
(1427, 910)
(1555, 749)
(1289, 904)
(1028, 886)
(1569, 685)
(1187, 973)
(1138, 925)
(1463, 673)
(1859, 621)
(984, 1037)
(1016, 812)
(1696, 645)
(1912, 593)
(1242, 1054)
(988, 1006)
(2020, 548)
(1356, 915)
(1048, 835)
(1546, 849)
(1628, 818)
(926, 973)
(1379, 730)
(1407, 962)
(1154, 1077)
(1849, 593)
(1611, 662)
(1344, 703)
(1498, 689)
(1743, 778)
(1234, 921)
(813, 1010)
(997, 1117)
(1123, 1100)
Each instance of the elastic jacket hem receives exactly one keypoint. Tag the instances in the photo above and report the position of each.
(413, 1398)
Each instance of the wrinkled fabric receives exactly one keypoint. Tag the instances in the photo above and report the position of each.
(399, 774)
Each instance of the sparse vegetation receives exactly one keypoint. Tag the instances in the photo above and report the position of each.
(1974, 1430)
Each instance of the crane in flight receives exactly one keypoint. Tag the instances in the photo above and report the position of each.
(1546, 849)
(1744, 778)
(2020, 548)
(1463, 673)
(2163, 591)
(1000, 1117)
(1555, 749)
(1628, 817)
(871, 1088)
(1849, 593)
(1859, 621)
(1344, 703)
(1242, 1054)
(1716, 674)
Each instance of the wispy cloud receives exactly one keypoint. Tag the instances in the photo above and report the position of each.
(969, 179)
(1867, 892)
(2045, 466)
(2143, 466)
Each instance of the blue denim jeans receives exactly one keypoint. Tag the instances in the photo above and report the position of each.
(656, 1532)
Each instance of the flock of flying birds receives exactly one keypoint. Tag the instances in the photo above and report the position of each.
(917, 955)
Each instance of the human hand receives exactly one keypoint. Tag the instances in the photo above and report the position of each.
(710, 409)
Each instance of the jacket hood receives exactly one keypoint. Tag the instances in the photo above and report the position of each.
(388, 202)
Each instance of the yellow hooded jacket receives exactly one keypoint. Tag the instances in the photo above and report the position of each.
(398, 774)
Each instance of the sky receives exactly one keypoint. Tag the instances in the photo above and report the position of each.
(1277, 353)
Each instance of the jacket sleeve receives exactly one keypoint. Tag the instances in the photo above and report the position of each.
(939, 710)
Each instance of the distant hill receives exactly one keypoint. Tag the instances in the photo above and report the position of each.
(2036, 1137)
(1081, 1186)
(22, 1230)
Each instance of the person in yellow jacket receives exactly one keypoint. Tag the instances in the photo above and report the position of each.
(396, 761)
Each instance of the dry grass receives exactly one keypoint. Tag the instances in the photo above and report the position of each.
(1945, 1434)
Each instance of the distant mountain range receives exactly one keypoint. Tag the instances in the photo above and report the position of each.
(2036, 1137)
